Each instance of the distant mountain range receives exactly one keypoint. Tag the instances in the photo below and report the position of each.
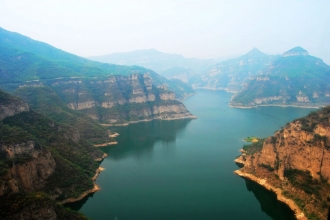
(258, 78)
(230, 74)
(295, 78)
(158, 61)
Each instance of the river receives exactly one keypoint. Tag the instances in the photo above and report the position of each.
(183, 169)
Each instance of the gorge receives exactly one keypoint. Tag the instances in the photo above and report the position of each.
(57, 108)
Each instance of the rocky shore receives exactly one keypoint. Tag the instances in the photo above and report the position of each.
(86, 193)
(151, 119)
(263, 182)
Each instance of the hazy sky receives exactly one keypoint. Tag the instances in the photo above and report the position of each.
(193, 28)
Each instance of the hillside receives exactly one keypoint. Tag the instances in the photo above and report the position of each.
(294, 163)
(296, 78)
(82, 84)
(45, 101)
(230, 74)
(36, 156)
(24, 59)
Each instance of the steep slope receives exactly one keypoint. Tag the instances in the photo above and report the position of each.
(24, 59)
(36, 156)
(44, 100)
(230, 75)
(294, 163)
(84, 84)
(10, 105)
(112, 100)
(296, 78)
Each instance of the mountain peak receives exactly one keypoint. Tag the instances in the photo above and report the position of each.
(255, 52)
(296, 51)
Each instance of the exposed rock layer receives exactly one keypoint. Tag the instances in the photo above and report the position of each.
(295, 162)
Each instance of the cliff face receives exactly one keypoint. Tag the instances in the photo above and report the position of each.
(29, 175)
(120, 99)
(10, 106)
(296, 160)
(36, 156)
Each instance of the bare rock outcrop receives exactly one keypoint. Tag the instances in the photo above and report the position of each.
(30, 174)
(10, 106)
(296, 160)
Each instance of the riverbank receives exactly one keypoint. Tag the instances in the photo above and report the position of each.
(273, 105)
(101, 158)
(86, 193)
(151, 119)
(263, 182)
(106, 144)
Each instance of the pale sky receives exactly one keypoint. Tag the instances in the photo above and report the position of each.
(193, 28)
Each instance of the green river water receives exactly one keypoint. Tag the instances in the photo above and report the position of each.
(183, 169)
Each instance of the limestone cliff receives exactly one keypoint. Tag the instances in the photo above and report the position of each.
(295, 163)
(10, 106)
(36, 156)
(120, 99)
(30, 175)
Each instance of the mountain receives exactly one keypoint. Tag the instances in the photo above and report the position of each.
(294, 163)
(36, 157)
(44, 100)
(157, 61)
(231, 74)
(22, 59)
(295, 78)
(105, 92)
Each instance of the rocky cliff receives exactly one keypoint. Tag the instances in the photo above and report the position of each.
(36, 156)
(295, 163)
(114, 99)
(30, 175)
(10, 105)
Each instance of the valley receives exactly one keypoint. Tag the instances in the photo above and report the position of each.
(167, 141)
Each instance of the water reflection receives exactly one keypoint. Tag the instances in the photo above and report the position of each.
(77, 205)
(268, 202)
(138, 140)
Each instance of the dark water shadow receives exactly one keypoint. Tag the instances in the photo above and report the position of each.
(77, 205)
(269, 203)
(139, 139)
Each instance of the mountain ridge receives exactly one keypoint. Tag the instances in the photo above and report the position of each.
(296, 79)
(231, 74)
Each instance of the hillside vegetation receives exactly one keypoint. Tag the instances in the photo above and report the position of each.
(296, 78)
(36, 157)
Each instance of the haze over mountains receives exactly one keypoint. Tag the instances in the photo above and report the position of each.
(295, 78)
(231, 74)
(111, 90)
(49, 132)
(37, 153)
(156, 60)
(235, 75)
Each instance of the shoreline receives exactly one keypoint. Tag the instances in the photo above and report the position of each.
(86, 193)
(263, 182)
(101, 158)
(274, 105)
(106, 144)
(151, 119)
